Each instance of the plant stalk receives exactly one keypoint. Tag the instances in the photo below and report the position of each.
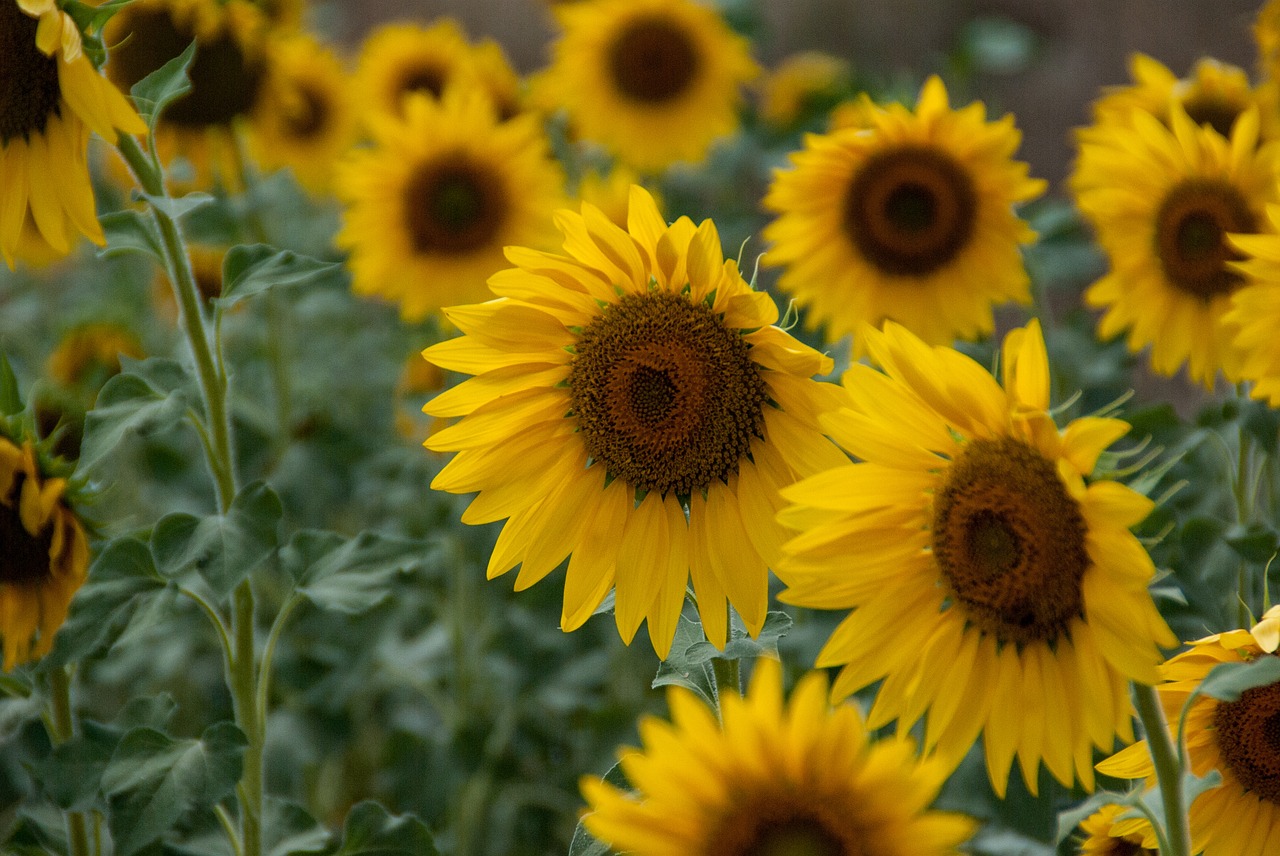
(64, 728)
(244, 694)
(1169, 771)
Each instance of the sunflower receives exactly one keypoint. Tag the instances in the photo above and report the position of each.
(1103, 839)
(51, 97)
(432, 204)
(306, 117)
(799, 778)
(89, 355)
(1214, 94)
(1254, 315)
(654, 81)
(285, 15)
(801, 84)
(633, 407)
(911, 220)
(1162, 200)
(611, 193)
(992, 585)
(1241, 816)
(227, 74)
(45, 556)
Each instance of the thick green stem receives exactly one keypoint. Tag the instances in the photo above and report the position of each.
(244, 694)
(728, 677)
(1168, 769)
(64, 728)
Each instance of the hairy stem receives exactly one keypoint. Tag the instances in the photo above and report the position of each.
(1168, 769)
(63, 729)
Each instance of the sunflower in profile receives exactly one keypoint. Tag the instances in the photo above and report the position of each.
(51, 97)
(45, 557)
(1162, 200)
(910, 220)
(1254, 315)
(1102, 838)
(227, 74)
(994, 586)
(1241, 816)
(798, 777)
(431, 204)
(654, 81)
(306, 117)
(1214, 94)
(634, 409)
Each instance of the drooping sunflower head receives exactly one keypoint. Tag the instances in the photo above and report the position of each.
(1104, 838)
(654, 81)
(51, 97)
(1162, 201)
(1214, 94)
(986, 570)
(910, 219)
(704, 788)
(435, 199)
(634, 409)
(45, 556)
(1240, 739)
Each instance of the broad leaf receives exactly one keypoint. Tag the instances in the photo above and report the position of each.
(371, 831)
(147, 397)
(1228, 681)
(131, 232)
(350, 576)
(163, 86)
(251, 269)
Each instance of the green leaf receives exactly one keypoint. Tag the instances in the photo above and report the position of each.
(740, 645)
(163, 86)
(153, 780)
(10, 398)
(224, 549)
(251, 269)
(679, 670)
(131, 232)
(583, 842)
(1227, 681)
(176, 209)
(371, 831)
(1256, 542)
(148, 396)
(20, 703)
(1070, 819)
(1263, 424)
(71, 775)
(350, 576)
(289, 830)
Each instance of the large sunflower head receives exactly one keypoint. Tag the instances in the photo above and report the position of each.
(772, 779)
(1214, 94)
(910, 220)
(227, 73)
(45, 556)
(654, 81)
(432, 203)
(1254, 315)
(634, 409)
(994, 585)
(1240, 739)
(1162, 200)
(51, 97)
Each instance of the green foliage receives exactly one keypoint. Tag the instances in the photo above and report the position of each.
(162, 87)
(251, 270)
(147, 397)
(371, 831)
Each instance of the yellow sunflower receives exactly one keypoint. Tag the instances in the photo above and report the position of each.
(51, 97)
(799, 84)
(306, 117)
(1254, 315)
(611, 192)
(1214, 94)
(431, 205)
(1266, 35)
(633, 406)
(993, 586)
(1103, 839)
(89, 355)
(1161, 200)
(654, 81)
(45, 556)
(772, 779)
(1241, 816)
(910, 220)
(284, 15)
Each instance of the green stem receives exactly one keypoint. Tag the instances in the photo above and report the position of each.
(244, 694)
(64, 728)
(269, 652)
(1244, 514)
(1168, 769)
(727, 675)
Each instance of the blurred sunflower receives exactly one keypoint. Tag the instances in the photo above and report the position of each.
(51, 97)
(611, 192)
(1254, 315)
(284, 15)
(431, 205)
(227, 74)
(306, 116)
(654, 81)
(87, 356)
(800, 85)
(1214, 94)
(633, 407)
(992, 585)
(1162, 200)
(1103, 839)
(910, 220)
(1241, 816)
(45, 556)
(771, 780)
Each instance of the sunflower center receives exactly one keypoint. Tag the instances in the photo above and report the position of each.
(667, 397)
(1215, 112)
(29, 89)
(910, 210)
(453, 206)
(653, 60)
(1249, 739)
(1190, 236)
(426, 79)
(1009, 541)
(781, 827)
(308, 114)
(24, 559)
(1120, 847)
(224, 80)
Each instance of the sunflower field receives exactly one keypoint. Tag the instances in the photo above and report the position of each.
(657, 451)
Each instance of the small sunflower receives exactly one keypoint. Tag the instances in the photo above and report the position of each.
(633, 406)
(772, 778)
(431, 205)
(1162, 200)
(910, 220)
(654, 81)
(306, 117)
(1214, 94)
(45, 557)
(227, 74)
(1103, 839)
(992, 584)
(1254, 315)
(1241, 816)
(801, 84)
(51, 97)
(89, 355)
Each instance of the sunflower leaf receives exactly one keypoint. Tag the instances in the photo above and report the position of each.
(349, 576)
(163, 86)
(370, 830)
(10, 398)
(1228, 681)
(146, 397)
(1070, 819)
(250, 269)
(130, 232)
(176, 209)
